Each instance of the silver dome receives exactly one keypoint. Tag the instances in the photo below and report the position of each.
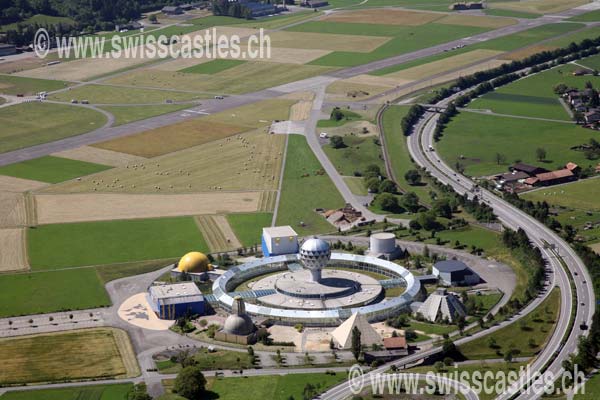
(241, 325)
(315, 254)
(315, 245)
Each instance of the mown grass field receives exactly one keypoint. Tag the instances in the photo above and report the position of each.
(305, 188)
(213, 67)
(14, 85)
(220, 359)
(51, 169)
(109, 242)
(28, 124)
(248, 226)
(101, 94)
(127, 114)
(479, 137)
(537, 327)
(42, 292)
(581, 195)
(539, 6)
(591, 16)
(83, 354)
(360, 152)
(96, 392)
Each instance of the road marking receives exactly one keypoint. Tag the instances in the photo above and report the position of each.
(197, 112)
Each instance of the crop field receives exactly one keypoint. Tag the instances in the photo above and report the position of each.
(539, 6)
(57, 208)
(170, 138)
(103, 94)
(581, 195)
(357, 88)
(95, 155)
(213, 67)
(480, 21)
(533, 96)
(384, 16)
(217, 232)
(479, 137)
(247, 77)
(248, 226)
(255, 115)
(11, 184)
(13, 253)
(328, 40)
(305, 188)
(43, 292)
(95, 392)
(12, 209)
(253, 163)
(109, 242)
(28, 124)
(13, 85)
(89, 353)
(51, 169)
(592, 16)
(127, 114)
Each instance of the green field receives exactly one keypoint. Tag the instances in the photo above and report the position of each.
(510, 13)
(248, 227)
(405, 39)
(39, 19)
(109, 242)
(51, 169)
(534, 96)
(28, 124)
(592, 62)
(127, 114)
(220, 359)
(348, 116)
(472, 236)
(592, 16)
(13, 85)
(110, 272)
(100, 94)
(99, 392)
(356, 185)
(592, 388)
(581, 195)
(43, 292)
(538, 326)
(305, 188)
(588, 33)
(360, 152)
(479, 137)
(213, 67)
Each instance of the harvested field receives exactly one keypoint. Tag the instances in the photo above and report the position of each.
(218, 234)
(294, 56)
(540, 6)
(171, 138)
(23, 64)
(325, 41)
(350, 89)
(444, 65)
(477, 21)
(306, 96)
(100, 156)
(65, 208)
(81, 354)
(255, 115)
(18, 185)
(178, 64)
(384, 16)
(301, 110)
(12, 209)
(527, 51)
(253, 163)
(102, 94)
(267, 201)
(247, 77)
(83, 69)
(13, 250)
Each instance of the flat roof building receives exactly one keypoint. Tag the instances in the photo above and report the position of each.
(279, 240)
(455, 273)
(174, 301)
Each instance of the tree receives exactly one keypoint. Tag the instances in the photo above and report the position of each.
(508, 356)
(372, 185)
(413, 177)
(190, 382)
(410, 201)
(500, 158)
(443, 208)
(540, 153)
(561, 88)
(337, 142)
(356, 346)
(388, 202)
(139, 392)
(448, 348)
(387, 186)
(336, 114)
(152, 18)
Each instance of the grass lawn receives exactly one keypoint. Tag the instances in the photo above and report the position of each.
(51, 169)
(592, 388)
(125, 115)
(220, 359)
(479, 137)
(99, 392)
(28, 124)
(82, 354)
(10, 84)
(472, 236)
(581, 195)
(100, 94)
(533, 96)
(110, 272)
(356, 185)
(248, 226)
(348, 116)
(305, 188)
(405, 39)
(535, 327)
(510, 13)
(431, 329)
(213, 67)
(39, 19)
(360, 152)
(43, 292)
(109, 242)
(591, 16)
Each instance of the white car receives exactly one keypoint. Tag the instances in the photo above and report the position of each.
(323, 135)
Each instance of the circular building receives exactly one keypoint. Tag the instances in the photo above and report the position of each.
(315, 254)
(239, 322)
(455, 273)
(194, 262)
(383, 245)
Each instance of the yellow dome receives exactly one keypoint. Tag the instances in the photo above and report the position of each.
(194, 262)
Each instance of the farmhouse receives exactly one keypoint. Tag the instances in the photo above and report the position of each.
(551, 178)
(174, 301)
(592, 116)
(455, 273)
(530, 170)
(172, 10)
(261, 9)
(395, 347)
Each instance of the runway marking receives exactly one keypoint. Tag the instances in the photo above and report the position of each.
(197, 112)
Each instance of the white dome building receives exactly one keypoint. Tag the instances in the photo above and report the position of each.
(315, 253)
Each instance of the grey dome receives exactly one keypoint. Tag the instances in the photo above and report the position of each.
(315, 253)
(315, 245)
(238, 325)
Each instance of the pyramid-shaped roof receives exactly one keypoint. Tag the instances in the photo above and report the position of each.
(441, 304)
(343, 333)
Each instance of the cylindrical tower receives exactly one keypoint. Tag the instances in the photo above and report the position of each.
(315, 254)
